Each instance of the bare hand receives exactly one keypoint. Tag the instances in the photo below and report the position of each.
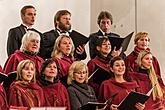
(140, 106)
(80, 49)
(115, 52)
(113, 107)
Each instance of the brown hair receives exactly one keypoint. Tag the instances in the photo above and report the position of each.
(23, 10)
(59, 14)
(104, 14)
(140, 35)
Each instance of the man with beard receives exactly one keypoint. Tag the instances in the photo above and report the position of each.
(28, 16)
(62, 26)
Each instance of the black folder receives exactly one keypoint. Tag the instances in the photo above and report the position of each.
(93, 105)
(128, 103)
(78, 38)
(120, 42)
(3, 77)
(9, 79)
(99, 75)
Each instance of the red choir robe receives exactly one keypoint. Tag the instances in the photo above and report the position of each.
(25, 94)
(111, 87)
(14, 59)
(93, 64)
(131, 65)
(3, 99)
(63, 66)
(1, 69)
(145, 85)
(55, 94)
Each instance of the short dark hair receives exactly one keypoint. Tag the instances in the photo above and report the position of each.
(104, 14)
(101, 39)
(114, 59)
(23, 10)
(59, 14)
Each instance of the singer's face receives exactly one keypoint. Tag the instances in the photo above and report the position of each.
(147, 61)
(105, 48)
(33, 45)
(64, 23)
(28, 72)
(80, 76)
(51, 70)
(105, 25)
(65, 45)
(29, 17)
(118, 68)
(143, 43)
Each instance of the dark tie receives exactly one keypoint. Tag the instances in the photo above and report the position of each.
(105, 34)
(62, 32)
(30, 29)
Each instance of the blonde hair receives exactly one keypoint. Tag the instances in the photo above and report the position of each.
(27, 37)
(140, 35)
(157, 91)
(76, 67)
(56, 51)
(21, 66)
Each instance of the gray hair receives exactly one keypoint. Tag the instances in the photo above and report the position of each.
(27, 37)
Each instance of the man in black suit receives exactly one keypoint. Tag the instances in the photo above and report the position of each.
(104, 21)
(62, 26)
(28, 16)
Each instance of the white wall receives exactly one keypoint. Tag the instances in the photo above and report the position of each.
(136, 15)
(46, 9)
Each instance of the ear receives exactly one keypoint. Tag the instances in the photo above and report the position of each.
(98, 48)
(111, 69)
(57, 21)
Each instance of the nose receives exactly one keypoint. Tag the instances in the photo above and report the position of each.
(69, 45)
(30, 71)
(36, 42)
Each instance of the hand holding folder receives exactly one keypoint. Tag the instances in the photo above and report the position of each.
(128, 103)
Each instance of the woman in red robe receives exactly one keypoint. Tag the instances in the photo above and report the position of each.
(100, 61)
(55, 93)
(25, 92)
(63, 54)
(29, 49)
(147, 78)
(117, 85)
(141, 42)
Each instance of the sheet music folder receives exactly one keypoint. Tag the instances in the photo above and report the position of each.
(9, 79)
(93, 105)
(120, 42)
(100, 75)
(3, 77)
(78, 38)
(128, 103)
